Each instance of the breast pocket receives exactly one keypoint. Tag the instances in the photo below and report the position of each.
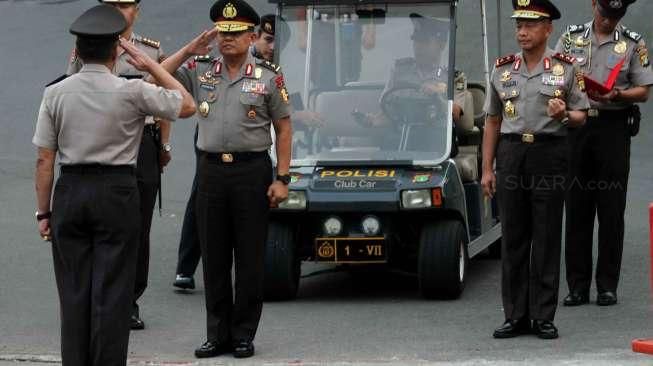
(254, 106)
(509, 102)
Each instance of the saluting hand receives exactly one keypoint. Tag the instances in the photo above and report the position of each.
(201, 45)
(137, 58)
(557, 108)
(277, 193)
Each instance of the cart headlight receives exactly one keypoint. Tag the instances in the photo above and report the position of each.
(296, 201)
(416, 198)
(371, 226)
(332, 226)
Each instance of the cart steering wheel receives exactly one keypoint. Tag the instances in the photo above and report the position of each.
(407, 104)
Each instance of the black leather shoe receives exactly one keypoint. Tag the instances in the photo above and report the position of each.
(136, 323)
(545, 329)
(576, 299)
(244, 349)
(606, 298)
(212, 349)
(512, 328)
(183, 282)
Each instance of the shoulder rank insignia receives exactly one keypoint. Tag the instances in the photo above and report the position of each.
(565, 58)
(205, 58)
(504, 60)
(576, 28)
(150, 42)
(270, 66)
(632, 35)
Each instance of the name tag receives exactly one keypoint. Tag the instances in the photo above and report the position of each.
(253, 86)
(207, 86)
(553, 80)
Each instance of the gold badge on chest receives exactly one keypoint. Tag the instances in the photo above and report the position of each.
(621, 47)
(510, 109)
(204, 109)
(506, 76)
(558, 70)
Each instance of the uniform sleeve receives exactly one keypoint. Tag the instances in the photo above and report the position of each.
(75, 64)
(390, 84)
(186, 76)
(156, 101)
(640, 68)
(45, 135)
(577, 99)
(492, 101)
(279, 104)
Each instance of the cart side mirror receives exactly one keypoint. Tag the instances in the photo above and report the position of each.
(374, 16)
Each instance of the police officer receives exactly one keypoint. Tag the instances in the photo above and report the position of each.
(600, 159)
(267, 37)
(154, 150)
(533, 96)
(238, 98)
(94, 120)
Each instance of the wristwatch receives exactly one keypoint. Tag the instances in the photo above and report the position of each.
(284, 178)
(43, 216)
(166, 147)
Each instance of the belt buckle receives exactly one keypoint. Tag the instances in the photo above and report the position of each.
(528, 138)
(227, 158)
(592, 112)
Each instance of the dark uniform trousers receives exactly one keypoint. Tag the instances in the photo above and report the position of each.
(189, 244)
(530, 193)
(95, 225)
(148, 176)
(232, 214)
(599, 168)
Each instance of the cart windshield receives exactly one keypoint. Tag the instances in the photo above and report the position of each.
(368, 83)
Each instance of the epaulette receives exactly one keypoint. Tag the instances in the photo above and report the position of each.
(565, 58)
(270, 66)
(504, 60)
(57, 80)
(205, 58)
(575, 28)
(149, 42)
(632, 35)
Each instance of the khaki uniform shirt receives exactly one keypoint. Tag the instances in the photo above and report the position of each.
(598, 59)
(406, 73)
(94, 117)
(122, 67)
(521, 97)
(235, 115)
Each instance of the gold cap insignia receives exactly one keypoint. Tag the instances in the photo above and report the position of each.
(229, 11)
(523, 2)
(268, 27)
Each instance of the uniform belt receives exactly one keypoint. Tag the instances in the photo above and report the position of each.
(234, 157)
(97, 169)
(608, 113)
(530, 138)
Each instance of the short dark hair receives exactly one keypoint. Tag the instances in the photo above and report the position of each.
(96, 49)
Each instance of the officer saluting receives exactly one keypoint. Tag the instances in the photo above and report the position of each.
(238, 98)
(534, 95)
(154, 150)
(600, 159)
(94, 121)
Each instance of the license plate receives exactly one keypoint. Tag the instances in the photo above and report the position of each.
(351, 250)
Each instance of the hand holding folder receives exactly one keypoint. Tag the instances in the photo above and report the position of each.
(594, 87)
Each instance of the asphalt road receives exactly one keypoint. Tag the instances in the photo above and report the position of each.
(337, 319)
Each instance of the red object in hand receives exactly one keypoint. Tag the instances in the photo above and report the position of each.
(602, 89)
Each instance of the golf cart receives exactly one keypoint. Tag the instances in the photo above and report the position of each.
(404, 194)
